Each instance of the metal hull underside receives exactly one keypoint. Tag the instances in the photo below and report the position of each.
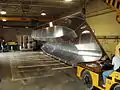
(70, 54)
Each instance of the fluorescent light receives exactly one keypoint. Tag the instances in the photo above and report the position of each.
(3, 12)
(68, 0)
(83, 27)
(47, 28)
(4, 20)
(86, 31)
(43, 14)
(51, 24)
(6, 27)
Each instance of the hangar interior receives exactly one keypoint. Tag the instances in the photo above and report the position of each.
(24, 66)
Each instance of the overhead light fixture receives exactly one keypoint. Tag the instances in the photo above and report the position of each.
(26, 27)
(43, 14)
(4, 20)
(3, 12)
(68, 0)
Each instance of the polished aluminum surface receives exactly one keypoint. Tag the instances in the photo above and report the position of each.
(75, 43)
(53, 32)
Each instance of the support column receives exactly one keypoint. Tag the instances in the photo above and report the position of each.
(20, 42)
(24, 42)
(29, 42)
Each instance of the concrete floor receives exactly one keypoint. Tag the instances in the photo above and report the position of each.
(50, 79)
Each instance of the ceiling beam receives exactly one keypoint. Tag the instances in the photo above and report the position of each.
(26, 19)
(36, 5)
(31, 16)
(11, 26)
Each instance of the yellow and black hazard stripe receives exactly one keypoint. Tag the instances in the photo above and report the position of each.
(118, 17)
(113, 3)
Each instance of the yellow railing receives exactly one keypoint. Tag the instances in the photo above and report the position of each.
(113, 3)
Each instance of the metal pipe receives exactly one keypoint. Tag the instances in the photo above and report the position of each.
(36, 5)
(100, 12)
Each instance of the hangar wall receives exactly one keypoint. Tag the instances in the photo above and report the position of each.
(106, 29)
(105, 24)
(11, 33)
